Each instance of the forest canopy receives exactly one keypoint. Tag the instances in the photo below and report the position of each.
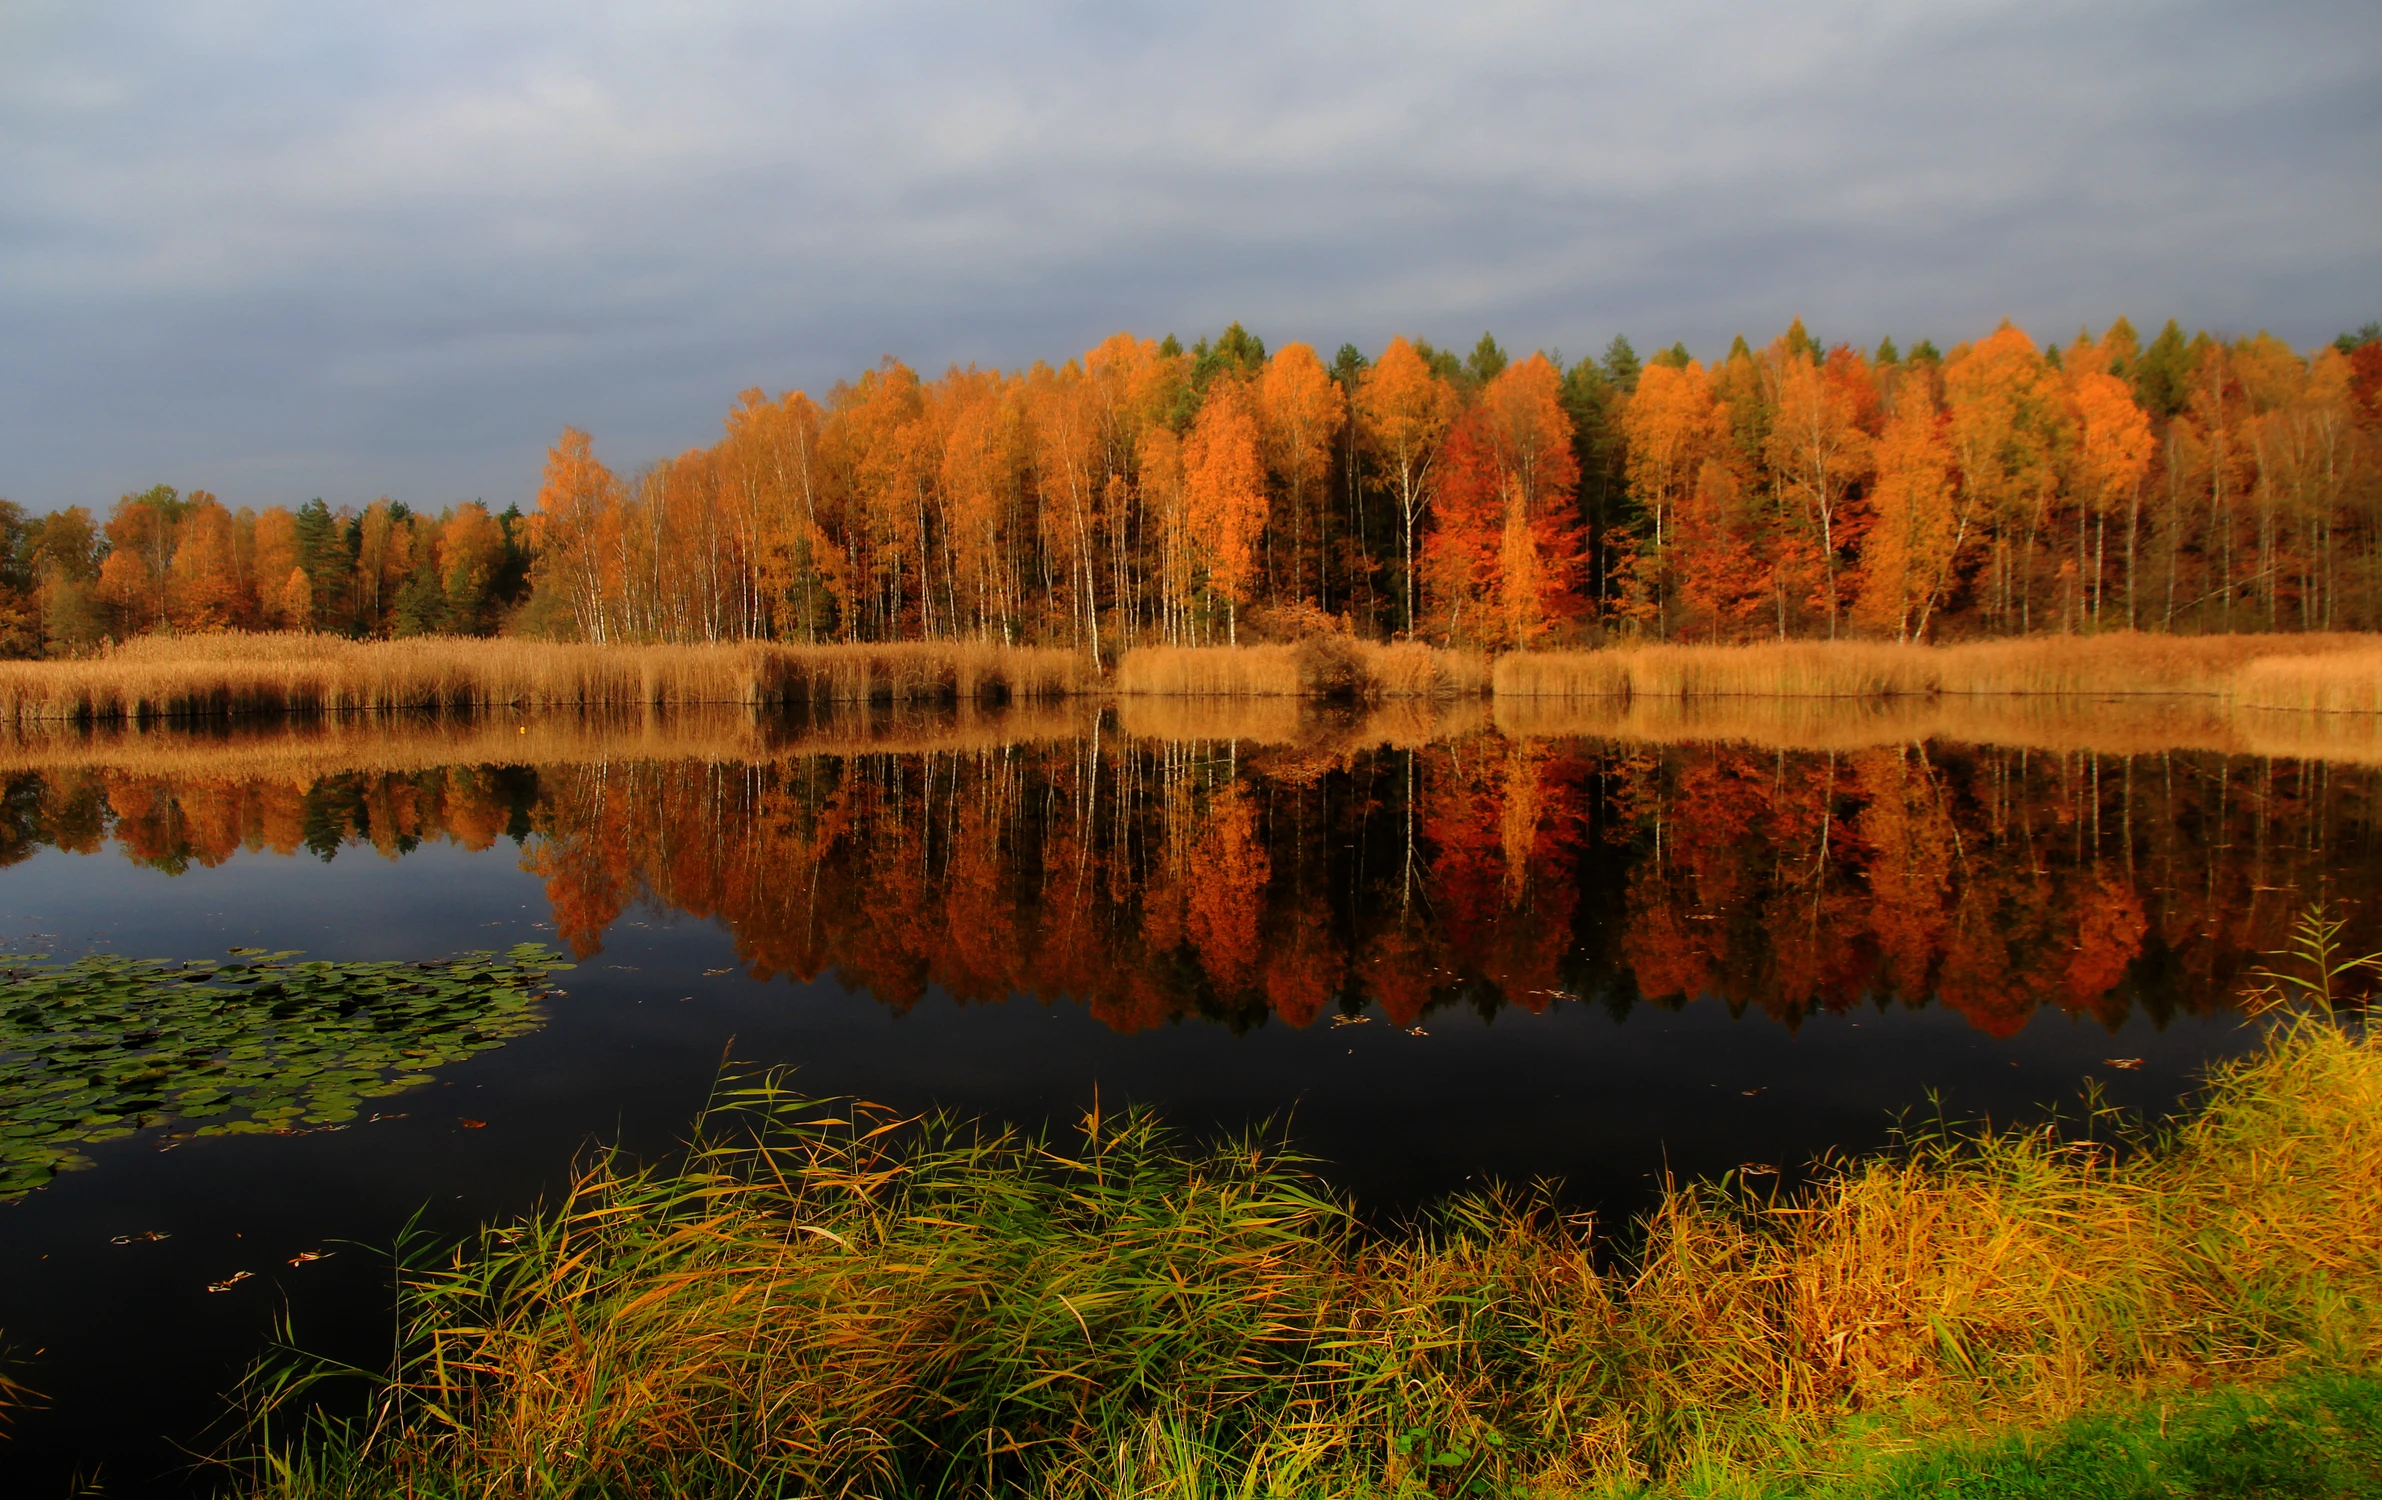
(1146, 492)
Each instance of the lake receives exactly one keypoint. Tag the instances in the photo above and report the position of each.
(1429, 948)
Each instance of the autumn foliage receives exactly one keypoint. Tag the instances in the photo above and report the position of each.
(1145, 494)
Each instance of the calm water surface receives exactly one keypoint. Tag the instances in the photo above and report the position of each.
(1573, 959)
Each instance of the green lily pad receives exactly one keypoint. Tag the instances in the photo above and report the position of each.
(105, 1046)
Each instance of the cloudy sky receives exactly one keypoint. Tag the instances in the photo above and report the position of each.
(280, 250)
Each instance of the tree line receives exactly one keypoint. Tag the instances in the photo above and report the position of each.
(166, 561)
(1149, 493)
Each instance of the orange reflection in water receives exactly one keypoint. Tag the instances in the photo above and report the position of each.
(1153, 881)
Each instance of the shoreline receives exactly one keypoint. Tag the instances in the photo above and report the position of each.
(230, 676)
(1117, 1297)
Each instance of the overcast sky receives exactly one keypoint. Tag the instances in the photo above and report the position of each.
(279, 250)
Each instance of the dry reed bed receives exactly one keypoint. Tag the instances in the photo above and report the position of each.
(830, 1303)
(2342, 672)
(164, 677)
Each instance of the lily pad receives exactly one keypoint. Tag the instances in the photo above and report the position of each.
(92, 1050)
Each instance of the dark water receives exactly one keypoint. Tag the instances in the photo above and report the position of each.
(1579, 960)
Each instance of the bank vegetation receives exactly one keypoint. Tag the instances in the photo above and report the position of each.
(239, 673)
(825, 1299)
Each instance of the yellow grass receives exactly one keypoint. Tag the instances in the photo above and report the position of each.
(154, 677)
(1324, 666)
(2349, 682)
(2336, 672)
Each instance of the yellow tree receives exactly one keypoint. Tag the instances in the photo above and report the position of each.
(2005, 437)
(574, 531)
(384, 558)
(1300, 410)
(2112, 453)
(1132, 385)
(1403, 409)
(1672, 422)
(1817, 452)
(879, 445)
(772, 479)
(1066, 440)
(1906, 557)
(277, 555)
(978, 484)
(470, 549)
(1529, 440)
(206, 589)
(1224, 492)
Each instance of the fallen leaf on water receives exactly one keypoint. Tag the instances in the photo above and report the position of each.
(2123, 1064)
(719, 971)
(1351, 1020)
(303, 1256)
(146, 1236)
(228, 1282)
(1749, 1093)
(1416, 1031)
(376, 1119)
(471, 1124)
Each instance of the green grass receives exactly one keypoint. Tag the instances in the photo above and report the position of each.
(2309, 1436)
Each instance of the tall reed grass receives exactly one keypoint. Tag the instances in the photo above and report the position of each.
(826, 1300)
(2295, 671)
(2350, 682)
(234, 673)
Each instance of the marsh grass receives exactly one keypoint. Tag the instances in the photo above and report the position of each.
(825, 1299)
(2337, 672)
(235, 673)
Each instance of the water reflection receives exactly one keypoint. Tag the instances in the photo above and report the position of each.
(1155, 879)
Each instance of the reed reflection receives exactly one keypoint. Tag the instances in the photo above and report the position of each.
(1155, 880)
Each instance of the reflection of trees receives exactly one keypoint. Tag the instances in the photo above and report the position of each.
(1154, 881)
(174, 822)
(1997, 882)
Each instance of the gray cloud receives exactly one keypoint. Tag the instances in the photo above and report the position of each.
(278, 250)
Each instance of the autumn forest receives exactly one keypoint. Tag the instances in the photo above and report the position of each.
(1149, 493)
